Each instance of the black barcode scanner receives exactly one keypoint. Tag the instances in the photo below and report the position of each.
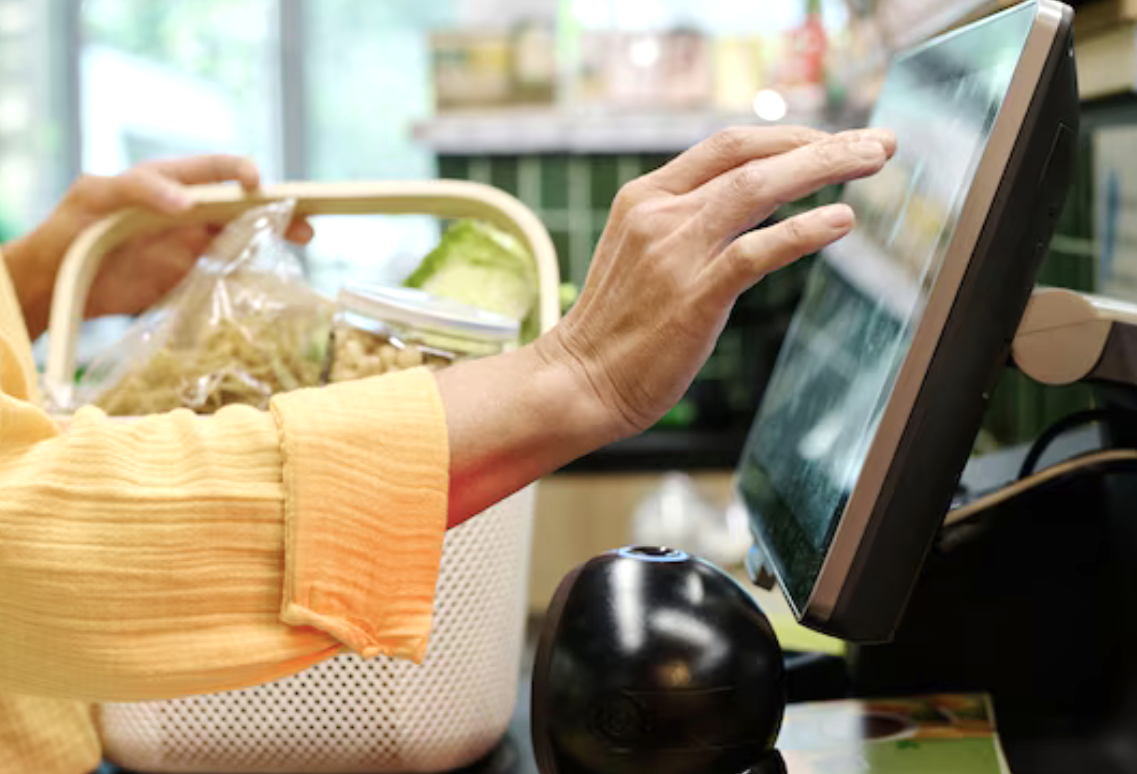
(658, 662)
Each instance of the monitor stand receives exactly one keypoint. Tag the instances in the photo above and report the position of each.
(1032, 596)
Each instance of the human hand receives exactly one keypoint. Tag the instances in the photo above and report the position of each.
(676, 254)
(139, 272)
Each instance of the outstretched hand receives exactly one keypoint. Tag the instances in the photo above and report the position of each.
(678, 251)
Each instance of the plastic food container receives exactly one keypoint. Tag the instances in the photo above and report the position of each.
(380, 330)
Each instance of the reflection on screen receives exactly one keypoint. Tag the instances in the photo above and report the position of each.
(867, 293)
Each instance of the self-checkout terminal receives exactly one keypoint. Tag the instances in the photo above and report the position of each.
(851, 473)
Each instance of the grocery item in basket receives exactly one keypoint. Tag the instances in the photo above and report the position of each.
(481, 265)
(242, 326)
(381, 330)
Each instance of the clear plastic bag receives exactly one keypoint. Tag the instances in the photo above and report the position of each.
(242, 326)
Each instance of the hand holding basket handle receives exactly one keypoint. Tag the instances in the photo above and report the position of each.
(139, 271)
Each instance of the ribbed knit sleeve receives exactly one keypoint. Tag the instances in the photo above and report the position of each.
(147, 558)
(47, 736)
(349, 451)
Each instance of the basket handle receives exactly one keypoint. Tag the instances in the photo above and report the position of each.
(443, 198)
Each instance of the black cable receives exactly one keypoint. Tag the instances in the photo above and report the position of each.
(1059, 428)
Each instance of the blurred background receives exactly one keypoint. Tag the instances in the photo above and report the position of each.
(556, 101)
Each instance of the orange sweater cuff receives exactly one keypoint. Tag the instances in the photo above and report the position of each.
(366, 477)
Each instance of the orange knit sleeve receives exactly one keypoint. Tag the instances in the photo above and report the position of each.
(366, 483)
(181, 554)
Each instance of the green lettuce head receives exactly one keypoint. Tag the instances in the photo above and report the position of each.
(481, 265)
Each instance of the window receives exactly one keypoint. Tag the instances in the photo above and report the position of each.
(179, 77)
(34, 138)
(311, 90)
(366, 72)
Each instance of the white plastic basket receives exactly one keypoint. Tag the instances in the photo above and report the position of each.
(347, 715)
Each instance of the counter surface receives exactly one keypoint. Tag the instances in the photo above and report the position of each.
(1050, 751)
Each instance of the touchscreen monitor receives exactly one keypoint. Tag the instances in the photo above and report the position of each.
(901, 331)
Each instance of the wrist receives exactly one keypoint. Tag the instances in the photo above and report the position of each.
(513, 418)
(592, 393)
(568, 397)
(32, 281)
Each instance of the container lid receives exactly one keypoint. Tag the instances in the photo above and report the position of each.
(420, 309)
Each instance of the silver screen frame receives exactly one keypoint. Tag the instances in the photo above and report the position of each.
(854, 522)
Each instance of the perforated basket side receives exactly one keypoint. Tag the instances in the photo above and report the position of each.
(347, 715)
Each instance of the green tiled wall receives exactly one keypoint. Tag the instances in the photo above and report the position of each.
(572, 195)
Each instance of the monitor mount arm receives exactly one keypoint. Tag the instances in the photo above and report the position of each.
(1067, 337)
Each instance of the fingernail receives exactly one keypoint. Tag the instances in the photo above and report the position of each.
(178, 199)
(837, 217)
(250, 173)
(869, 150)
(885, 137)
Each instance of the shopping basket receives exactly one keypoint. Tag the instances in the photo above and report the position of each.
(346, 714)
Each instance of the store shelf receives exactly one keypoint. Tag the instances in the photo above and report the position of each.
(521, 132)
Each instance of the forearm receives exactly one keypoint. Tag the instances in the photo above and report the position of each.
(150, 556)
(511, 419)
(179, 554)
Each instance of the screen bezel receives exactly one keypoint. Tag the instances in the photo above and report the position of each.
(1049, 26)
(974, 214)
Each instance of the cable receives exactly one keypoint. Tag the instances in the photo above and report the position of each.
(1062, 426)
(1111, 458)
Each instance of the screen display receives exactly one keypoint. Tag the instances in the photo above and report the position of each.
(866, 295)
